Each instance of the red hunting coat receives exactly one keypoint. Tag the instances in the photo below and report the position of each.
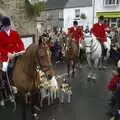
(76, 34)
(112, 86)
(12, 43)
(100, 32)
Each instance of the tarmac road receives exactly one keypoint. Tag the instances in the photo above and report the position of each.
(88, 100)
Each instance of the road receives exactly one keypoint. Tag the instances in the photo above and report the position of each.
(88, 99)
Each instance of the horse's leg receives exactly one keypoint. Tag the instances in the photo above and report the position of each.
(49, 98)
(73, 68)
(2, 96)
(89, 60)
(42, 92)
(68, 68)
(24, 115)
(89, 65)
(34, 108)
(101, 62)
(3, 93)
(62, 96)
(51, 95)
(96, 61)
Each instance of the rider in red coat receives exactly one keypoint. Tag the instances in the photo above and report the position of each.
(76, 33)
(99, 30)
(10, 43)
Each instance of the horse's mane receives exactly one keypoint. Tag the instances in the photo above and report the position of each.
(29, 61)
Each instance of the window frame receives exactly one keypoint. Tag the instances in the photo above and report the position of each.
(109, 3)
(26, 37)
(77, 13)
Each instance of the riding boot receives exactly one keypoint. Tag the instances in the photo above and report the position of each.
(104, 54)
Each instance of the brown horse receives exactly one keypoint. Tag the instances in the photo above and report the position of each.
(71, 55)
(25, 75)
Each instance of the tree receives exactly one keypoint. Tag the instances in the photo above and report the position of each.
(34, 9)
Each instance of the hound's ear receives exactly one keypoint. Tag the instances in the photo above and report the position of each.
(40, 40)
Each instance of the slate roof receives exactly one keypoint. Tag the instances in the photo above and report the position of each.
(78, 3)
(56, 4)
(60, 4)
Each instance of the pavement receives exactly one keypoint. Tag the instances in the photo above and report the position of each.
(89, 99)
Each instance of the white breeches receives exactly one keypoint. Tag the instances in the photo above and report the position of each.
(5, 66)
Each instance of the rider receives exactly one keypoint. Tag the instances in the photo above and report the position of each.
(99, 31)
(10, 43)
(76, 33)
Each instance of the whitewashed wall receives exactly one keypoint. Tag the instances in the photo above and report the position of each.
(69, 16)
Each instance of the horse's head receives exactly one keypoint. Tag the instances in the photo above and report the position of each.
(44, 54)
(69, 44)
(87, 43)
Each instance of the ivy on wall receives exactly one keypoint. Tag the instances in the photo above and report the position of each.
(34, 9)
(1, 2)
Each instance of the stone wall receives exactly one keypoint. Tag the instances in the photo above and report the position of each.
(24, 24)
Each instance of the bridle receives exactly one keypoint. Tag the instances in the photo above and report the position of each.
(89, 46)
(40, 66)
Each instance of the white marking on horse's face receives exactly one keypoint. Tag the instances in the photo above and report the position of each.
(87, 44)
(87, 41)
(88, 50)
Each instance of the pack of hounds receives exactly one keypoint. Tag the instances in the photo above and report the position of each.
(49, 88)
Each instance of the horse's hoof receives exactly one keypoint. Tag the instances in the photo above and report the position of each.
(104, 67)
(62, 102)
(2, 103)
(89, 76)
(89, 79)
(35, 116)
(112, 118)
(94, 78)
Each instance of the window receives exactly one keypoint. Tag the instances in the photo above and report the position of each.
(112, 21)
(111, 2)
(77, 13)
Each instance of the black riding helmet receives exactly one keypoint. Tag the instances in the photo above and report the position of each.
(75, 23)
(6, 21)
(101, 18)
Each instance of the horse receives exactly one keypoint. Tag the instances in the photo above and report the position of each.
(71, 55)
(25, 74)
(93, 51)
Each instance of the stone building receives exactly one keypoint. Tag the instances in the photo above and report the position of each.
(15, 9)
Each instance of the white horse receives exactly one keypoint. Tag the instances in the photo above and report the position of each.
(93, 50)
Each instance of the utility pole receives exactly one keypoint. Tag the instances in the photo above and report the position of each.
(93, 5)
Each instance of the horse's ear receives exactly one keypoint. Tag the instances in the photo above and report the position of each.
(40, 40)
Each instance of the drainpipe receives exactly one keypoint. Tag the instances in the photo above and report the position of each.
(93, 4)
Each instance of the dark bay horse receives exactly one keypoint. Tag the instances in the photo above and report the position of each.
(25, 75)
(71, 55)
